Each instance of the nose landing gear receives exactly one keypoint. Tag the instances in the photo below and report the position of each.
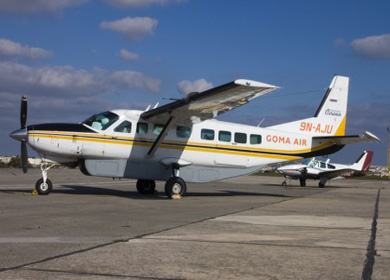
(44, 186)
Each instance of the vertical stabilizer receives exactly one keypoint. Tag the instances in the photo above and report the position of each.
(364, 161)
(331, 115)
(333, 108)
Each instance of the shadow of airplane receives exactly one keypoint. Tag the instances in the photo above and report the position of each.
(133, 194)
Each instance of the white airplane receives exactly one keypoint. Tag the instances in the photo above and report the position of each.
(324, 171)
(181, 142)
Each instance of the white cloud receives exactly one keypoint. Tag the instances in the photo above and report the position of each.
(135, 79)
(133, 29)
(141, 3)
(68, 81)
(372, 47)
(185, 87)
(11, 49)
(37, 6)
(126, 55)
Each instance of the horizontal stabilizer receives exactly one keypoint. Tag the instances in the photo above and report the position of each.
(347, 139)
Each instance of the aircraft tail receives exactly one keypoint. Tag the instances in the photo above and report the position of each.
(363, 163)
(331, 115)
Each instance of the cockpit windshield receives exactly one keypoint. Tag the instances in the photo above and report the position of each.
(311, 163)
(101, 121)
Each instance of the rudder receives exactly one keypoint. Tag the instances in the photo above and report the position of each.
(331, 115)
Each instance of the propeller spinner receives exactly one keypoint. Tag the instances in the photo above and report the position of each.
(21, 134)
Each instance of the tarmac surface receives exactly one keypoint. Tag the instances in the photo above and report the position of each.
(244, 228)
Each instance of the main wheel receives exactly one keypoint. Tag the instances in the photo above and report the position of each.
(43, 188)
(175, 186)
(302, 182)
(146, 186)
(284, 183)
(321, 185)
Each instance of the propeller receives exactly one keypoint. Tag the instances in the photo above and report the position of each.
(23, 143)
(23, 112)
(22, 134)
(24, 153)
(303, 170)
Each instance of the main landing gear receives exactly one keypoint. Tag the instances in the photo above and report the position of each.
(146, 186)
(174, 186)
(44, 186)
(302, 182)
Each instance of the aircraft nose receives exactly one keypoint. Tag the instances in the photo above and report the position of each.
(19, 134)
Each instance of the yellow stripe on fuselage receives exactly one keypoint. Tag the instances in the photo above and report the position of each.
(178, 145)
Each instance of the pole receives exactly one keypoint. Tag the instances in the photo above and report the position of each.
(388, 155)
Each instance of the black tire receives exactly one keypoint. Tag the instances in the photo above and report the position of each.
(321, 185)
(43, 189)
(146, 186)
(175, 186)
(302, 182)
(284, 183)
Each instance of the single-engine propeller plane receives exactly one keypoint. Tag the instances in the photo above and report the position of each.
(181, 142)
(324, 171)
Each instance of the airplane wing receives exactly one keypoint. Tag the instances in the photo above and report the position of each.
(335, 173)
(200, 106)
(342, 140)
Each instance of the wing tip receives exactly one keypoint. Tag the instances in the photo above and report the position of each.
(251, 83)
(371, 136)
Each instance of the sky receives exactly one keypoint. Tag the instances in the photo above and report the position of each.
(75, 58)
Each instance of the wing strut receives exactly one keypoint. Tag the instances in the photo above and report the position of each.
(162, 135)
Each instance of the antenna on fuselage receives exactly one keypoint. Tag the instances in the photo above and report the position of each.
(147, 109)
(155, 106)
(261, 122)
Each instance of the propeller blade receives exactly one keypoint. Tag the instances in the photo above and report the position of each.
(24, 156)
(23, 112)
(303, 170)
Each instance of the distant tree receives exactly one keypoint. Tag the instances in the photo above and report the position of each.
(15, 162)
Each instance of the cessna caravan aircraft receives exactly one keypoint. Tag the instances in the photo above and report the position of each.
(324, 171)
(181, 142)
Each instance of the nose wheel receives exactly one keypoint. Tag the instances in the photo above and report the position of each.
(44, 186)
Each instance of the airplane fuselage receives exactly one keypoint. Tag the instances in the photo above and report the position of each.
(208, 151)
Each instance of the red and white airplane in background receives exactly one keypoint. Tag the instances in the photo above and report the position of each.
(324, 171)
(182, 142)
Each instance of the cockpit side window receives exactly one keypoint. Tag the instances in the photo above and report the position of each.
(124, 127)
(102, 121)
(142, 128)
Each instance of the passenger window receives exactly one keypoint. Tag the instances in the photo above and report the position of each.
(157, 128)
(124, 127)
(323, 165)
(183, 132)
(255, 139)
(142, 128)
(240, 137)
(225, 136)
(207, 134)
(331, 166)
